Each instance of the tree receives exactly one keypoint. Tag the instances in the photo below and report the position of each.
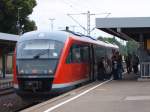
(101, 38)
(113, 40)
(9, 15)
(132, 46)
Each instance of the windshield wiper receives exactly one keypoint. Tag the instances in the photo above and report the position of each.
(40, 53)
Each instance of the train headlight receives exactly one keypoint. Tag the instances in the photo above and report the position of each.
(34, 71)
(21, 71)
(50, 71)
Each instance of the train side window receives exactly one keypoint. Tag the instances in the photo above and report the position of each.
(99, 52)
(78, 54)
(74, 55)
(84, 54)
(109, 53)
(69, 58)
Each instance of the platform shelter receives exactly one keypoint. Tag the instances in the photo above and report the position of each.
(127, 28)
(7, 46)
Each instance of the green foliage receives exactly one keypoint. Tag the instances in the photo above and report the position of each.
(116, 42)
(9, 15)
(131, 46)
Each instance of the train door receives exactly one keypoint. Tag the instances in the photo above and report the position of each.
(95, 60)
(92, 64)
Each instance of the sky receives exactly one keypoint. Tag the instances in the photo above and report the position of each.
(58, 9)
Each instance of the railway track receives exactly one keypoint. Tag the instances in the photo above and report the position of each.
(7, 83)
(13, 103)
(6, 91)
(6, 86)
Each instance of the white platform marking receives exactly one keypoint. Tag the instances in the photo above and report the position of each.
(134, 98)
(77, 96)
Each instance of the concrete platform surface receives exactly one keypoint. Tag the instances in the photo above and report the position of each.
(114, 96)
(6, 82)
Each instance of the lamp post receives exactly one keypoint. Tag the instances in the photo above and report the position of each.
(18, 21)
(51, 20)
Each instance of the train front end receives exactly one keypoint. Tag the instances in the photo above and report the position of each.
(36, 59)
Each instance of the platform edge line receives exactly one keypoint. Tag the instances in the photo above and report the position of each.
(75, 97)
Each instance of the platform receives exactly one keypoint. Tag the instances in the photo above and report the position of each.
(6, 82)
(127, 95)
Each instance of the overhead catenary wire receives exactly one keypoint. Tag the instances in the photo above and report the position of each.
(76, 21)
(88, 14)
(79, 5)
(72, 6)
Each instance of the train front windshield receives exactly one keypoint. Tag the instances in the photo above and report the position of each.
(38, 56)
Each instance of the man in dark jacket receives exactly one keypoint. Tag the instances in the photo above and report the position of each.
(128, 62)
(101, 69)
(114, 67)
(119, 64)
(135, 63)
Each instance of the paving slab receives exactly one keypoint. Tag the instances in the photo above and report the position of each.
(114, 96)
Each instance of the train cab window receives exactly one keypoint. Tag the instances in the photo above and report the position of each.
(39, 48)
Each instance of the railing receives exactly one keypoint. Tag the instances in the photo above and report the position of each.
(145, 69)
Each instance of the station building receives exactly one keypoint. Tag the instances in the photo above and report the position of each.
(7, 46)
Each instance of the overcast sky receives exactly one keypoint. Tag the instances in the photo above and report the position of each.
(59, 9)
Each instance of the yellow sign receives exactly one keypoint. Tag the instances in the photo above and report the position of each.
(148, 44)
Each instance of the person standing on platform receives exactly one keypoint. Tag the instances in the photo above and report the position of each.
(128, 63)
(119, 65)
(135, 63)
(101, 69)
(114, 67)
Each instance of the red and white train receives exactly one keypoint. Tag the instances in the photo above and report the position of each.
(54, 62)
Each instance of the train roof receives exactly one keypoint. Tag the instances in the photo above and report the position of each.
(63, 36)
(9, 37)
(59, 35)
(94, 41)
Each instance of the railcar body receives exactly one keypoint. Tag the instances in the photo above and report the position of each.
(48, 63)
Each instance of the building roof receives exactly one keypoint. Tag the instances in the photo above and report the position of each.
(9, 37)
(125, 28)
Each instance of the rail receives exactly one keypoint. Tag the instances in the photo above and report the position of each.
(145, 69)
